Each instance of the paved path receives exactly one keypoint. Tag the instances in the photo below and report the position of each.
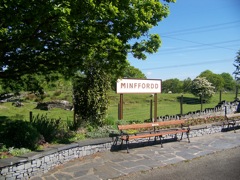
(110, 165)
(222, 165)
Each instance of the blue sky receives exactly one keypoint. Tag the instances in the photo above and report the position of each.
(198, 35)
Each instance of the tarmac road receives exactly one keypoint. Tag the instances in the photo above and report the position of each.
(222, 165)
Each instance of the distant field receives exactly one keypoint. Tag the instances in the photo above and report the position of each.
(136, 107)
(7, 111)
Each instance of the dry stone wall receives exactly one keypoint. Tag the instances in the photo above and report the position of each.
(37, 163)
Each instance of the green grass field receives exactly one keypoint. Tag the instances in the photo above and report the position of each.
(135, 107)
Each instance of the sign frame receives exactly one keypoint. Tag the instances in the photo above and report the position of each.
(138, 86)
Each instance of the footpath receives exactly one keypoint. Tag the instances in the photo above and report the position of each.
(110, 165)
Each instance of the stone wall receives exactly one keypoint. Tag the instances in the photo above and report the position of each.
(37, 163)
(219, 110)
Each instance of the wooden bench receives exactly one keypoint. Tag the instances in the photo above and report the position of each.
(230, 120)
(156, 129)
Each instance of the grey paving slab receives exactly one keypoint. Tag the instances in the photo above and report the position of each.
(106, 172)
(109, 165)
(137, 169)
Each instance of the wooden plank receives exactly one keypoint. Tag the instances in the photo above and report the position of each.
(150, 125)
(233, 115)
(153, 134)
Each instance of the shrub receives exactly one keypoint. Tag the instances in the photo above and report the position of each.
(100, 132)
(18, 152)
(109, 120)
(57, 93)
(20, 134)
(48, 128)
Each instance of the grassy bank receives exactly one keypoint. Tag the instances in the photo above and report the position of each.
(136, 106)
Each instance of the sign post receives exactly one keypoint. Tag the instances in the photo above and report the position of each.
(138, 86)
(155, 107)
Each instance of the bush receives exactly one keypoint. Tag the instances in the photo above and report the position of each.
(100, 132)
(57, 93)
(48, 128)
(18, 152)
(109, 120)
(20, 134)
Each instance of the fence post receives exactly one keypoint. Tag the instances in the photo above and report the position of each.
(120, 108)
(181, 105)
(30, 116)
(236, 95)
(201, 102)
(155, 107)
(151, 105)
(220, 96)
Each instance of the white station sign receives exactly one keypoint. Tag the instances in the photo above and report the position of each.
(138, 86)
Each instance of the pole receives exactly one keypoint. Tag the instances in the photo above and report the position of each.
(220, 96)
(30, 116)
(236, 96)
(201, 102)
(181, 105)
(151, 104)
(155, 107)
(121, 107)
(225, 117)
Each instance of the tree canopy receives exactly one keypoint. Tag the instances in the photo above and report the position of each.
(216, 79)
(173, 85)
(237, 66)
(201, 87)
(229, 82)
(41, 37)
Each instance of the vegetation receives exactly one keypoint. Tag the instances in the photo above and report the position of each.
(91, 97)
(56, 125)
(221, 82)
(202, 88)
(62, 36)
(78, 47)
(237, 66)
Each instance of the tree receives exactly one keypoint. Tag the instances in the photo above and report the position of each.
(132, 72)
(216, 79)
(237, 66)
(41, 37)
(128, 72)
(88, 36)
(229, 83)
(173, 85)
(90, 97)
(187, 85)
(201, 87)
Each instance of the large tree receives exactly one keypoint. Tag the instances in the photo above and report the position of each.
(173, 85)
(216, 79)
(237, 66)
(187, 85)
(229, 83)
(42, 36)
(91, 37)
